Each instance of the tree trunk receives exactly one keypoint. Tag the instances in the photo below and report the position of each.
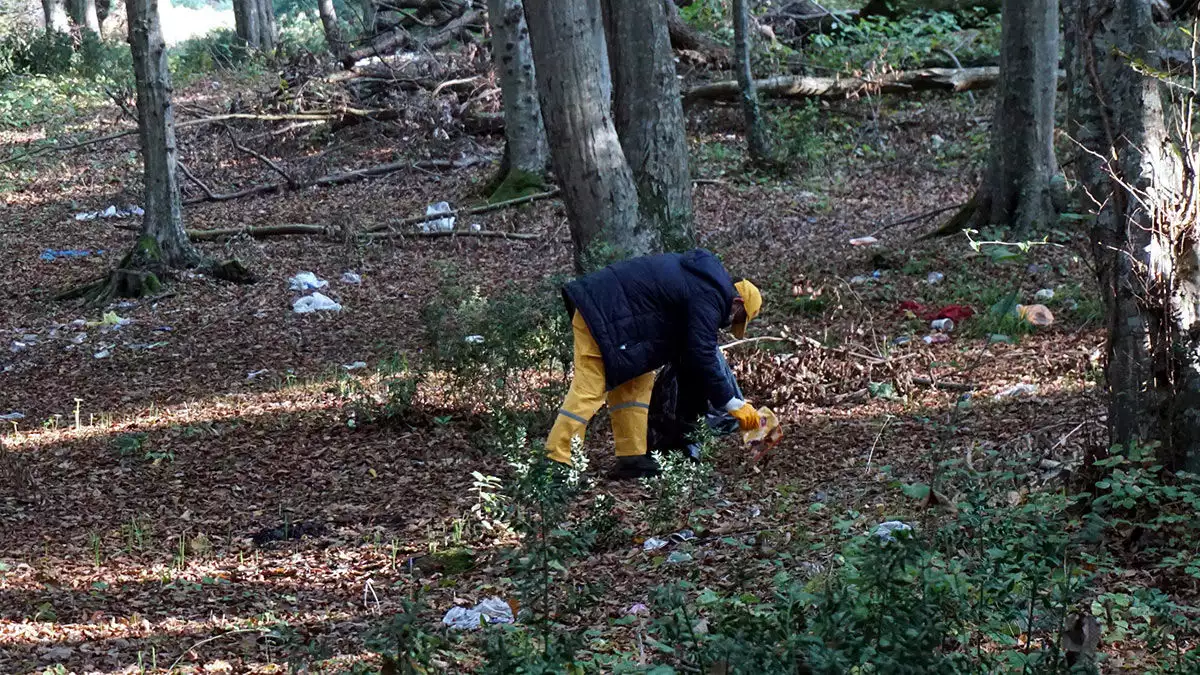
(1017, 191)
(254, 21)
(757, 143)
(597, 183)
(526, 152)
(333, 31)
(55, 12)
(267, 26)
(85, 16)
(163, 221)
(648, 114)
(1144, 236)
(370, 15)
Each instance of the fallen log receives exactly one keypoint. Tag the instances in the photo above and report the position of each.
(402, 39)
(926, 79)
(260, 232)
(686, 38)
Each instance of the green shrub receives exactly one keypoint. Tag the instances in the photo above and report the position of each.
(221, 49)
(504, 354)
(908, 41)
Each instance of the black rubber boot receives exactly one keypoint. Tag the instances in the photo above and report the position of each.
(636, 466)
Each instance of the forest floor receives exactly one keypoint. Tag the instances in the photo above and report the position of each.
(153, 460)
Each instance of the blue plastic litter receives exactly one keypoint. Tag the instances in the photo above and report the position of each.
(50, 254)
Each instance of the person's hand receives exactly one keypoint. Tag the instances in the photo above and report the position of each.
(747, 417)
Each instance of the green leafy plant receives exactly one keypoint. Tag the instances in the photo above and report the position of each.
(403, 642)
(501, 355)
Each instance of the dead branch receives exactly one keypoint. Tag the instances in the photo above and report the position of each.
(943, 385)
(317, 116)
(402, 39)
(192, 177)
(334, 179)
(486, 234)
(927, 79)
(416, 220)
(298, 229)
(291, 182)
(917, 217)
(261, 232)
(453, 83)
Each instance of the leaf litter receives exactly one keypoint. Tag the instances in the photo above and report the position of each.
(165, 487)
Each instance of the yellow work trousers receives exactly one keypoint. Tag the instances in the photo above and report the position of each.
(628, 404)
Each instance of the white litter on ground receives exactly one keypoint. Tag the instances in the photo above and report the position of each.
(317, 302)
(490, 611)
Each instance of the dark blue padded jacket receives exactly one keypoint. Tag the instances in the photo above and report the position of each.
(649, 311)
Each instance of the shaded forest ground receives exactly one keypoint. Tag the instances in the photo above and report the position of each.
(153, 460)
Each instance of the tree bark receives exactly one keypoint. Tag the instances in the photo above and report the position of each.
(254, 22)
(526, 152)
(1144, 236)
(684, 37)
(598, 188)
(757, 143)
(1017, 191)
(163, 221)
(55, 13)
(333, 31)
(370, 17)
(402, 39)
(84, 13)
(903, 82)
(648, 116)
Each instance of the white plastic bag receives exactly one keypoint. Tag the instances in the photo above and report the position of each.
(317, 302)
(438, 224)
(491, 610)
(306, 281)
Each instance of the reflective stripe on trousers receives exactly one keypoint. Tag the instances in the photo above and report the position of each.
(628, 404)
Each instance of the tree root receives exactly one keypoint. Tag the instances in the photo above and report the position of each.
(958, 222)
(140, 274)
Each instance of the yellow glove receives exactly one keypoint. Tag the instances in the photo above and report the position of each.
(747, 417)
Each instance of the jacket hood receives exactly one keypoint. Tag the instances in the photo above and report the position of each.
(706, 268)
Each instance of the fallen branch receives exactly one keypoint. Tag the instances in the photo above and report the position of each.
(416, 220)
(943, 385)
(261, 232)
(916, 217)
(402, 39)
(927, 79)
(192, 177)
(453, 83)
(320, 116)
(485, 234)
(331, 179)
(287, 177)
(331, 232)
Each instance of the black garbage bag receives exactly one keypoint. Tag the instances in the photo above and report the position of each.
(674, 412)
